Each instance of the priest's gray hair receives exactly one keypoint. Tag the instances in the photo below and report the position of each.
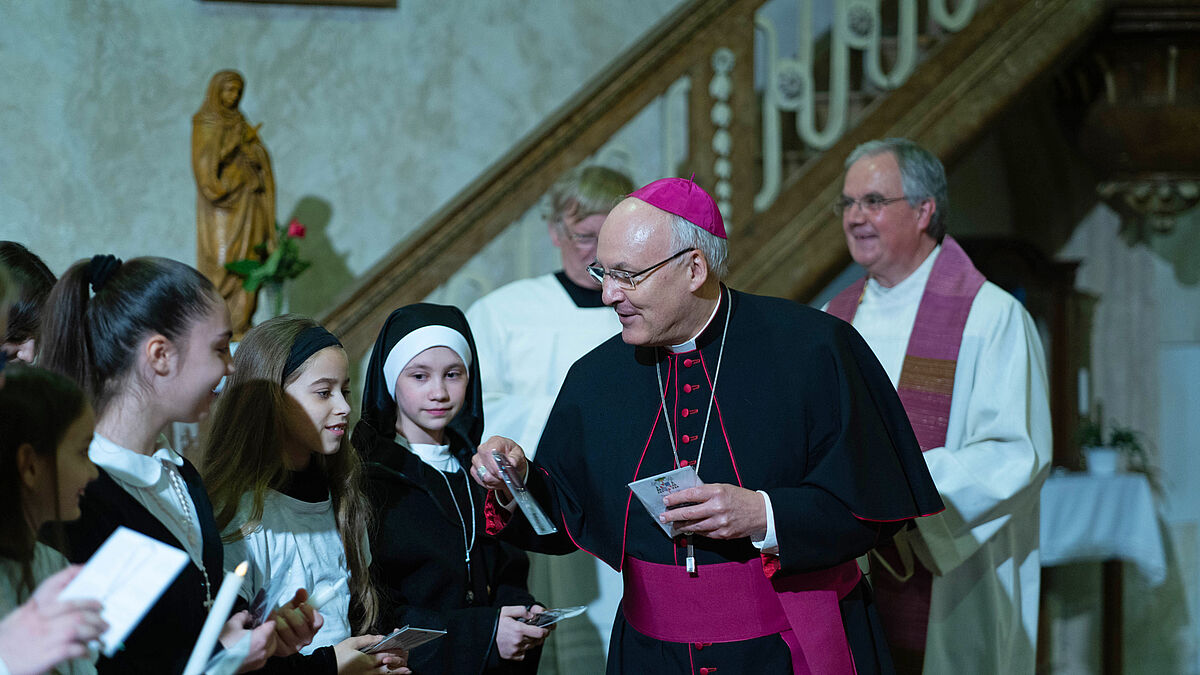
(586, 191)
(921, 173)
(685, 234)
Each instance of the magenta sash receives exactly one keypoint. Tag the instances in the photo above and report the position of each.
(730, 602)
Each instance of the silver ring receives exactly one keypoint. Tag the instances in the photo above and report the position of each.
(481, 471)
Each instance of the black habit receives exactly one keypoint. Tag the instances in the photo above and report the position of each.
(803, 411)
(417, 544)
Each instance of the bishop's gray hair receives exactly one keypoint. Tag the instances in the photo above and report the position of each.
(685, 234)
(921, 173)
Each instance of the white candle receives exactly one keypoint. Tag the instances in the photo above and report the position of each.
(318, 600)
(1085, 396)
(217, 617)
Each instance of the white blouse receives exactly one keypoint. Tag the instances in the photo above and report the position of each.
(156, 483)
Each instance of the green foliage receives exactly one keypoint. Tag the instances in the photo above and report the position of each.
(1090, 433)
(1124, 440)
(1127, 442)
(282, 264)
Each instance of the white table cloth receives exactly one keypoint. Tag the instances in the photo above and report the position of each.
(1093, 518)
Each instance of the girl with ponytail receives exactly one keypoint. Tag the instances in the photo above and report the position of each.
(148, 341)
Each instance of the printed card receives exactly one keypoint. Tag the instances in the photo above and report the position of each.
(650, 492)
(126, 574)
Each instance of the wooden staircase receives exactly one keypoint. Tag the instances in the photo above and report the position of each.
(794, 246)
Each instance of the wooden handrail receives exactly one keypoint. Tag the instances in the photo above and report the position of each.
(428, 257)
(796, 247)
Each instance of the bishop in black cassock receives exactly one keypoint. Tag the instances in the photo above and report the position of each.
(806, 453)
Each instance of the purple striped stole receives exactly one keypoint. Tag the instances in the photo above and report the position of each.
(927, 376)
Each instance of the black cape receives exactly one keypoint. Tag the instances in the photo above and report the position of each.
(417, 547)
(803, 411)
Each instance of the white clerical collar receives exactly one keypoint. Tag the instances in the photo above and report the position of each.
(912, 285)
(129, 466)
(437, 456)
(690, 345)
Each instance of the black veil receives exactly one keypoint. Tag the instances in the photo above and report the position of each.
(378, 406)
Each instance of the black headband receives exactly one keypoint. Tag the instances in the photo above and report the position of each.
(310, 341)
(100, 270)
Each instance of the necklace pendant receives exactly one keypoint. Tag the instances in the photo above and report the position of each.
(208, 603)
(470, 596)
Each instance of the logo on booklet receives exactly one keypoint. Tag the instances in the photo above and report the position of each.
(665, 485)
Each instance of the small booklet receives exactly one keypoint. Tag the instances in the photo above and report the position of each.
(405, 638)
(127, 574)
(553, 616)
(650, 492)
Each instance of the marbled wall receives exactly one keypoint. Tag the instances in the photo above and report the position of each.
(374, 118)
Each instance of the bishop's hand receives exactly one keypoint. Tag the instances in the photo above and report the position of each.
(717, 511)
(485, 471)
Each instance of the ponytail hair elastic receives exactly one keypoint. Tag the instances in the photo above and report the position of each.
(101, 269)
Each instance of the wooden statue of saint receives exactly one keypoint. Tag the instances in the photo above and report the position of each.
(235, 200)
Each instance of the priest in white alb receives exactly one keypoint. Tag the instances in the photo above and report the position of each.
(957, 592)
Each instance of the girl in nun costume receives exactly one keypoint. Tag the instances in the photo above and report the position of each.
(435, 568)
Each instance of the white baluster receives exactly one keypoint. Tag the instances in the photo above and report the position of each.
(772, 144)
(906, 35)
(674, 125)
(955, 21)
(839, 81)
(721, 114)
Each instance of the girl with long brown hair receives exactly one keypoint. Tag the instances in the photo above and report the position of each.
(287, 487)
(45, 427)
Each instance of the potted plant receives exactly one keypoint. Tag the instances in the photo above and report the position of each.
(1098, 456)
(1122, 450)
(1127, 443)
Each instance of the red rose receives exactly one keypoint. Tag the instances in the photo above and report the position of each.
(295, 229)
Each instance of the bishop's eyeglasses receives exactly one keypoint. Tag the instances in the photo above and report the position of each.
(872, 203)
(629, 280)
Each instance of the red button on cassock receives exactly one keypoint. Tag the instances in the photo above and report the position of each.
(687, 388)
(685, 412)
(686, 439)
(687, 363)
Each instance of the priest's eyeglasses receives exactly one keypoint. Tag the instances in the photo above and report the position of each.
(629, 280)
(583, 242)
(872, 203)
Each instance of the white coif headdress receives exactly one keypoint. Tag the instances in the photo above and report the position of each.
(418, 341)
